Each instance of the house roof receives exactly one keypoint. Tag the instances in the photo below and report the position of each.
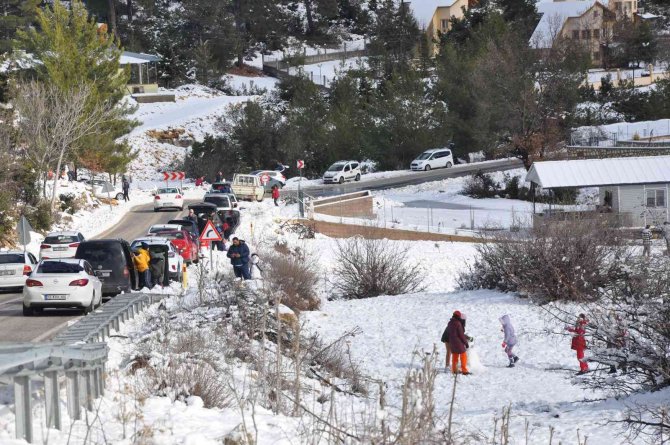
(600, 172)
(424, 10)
(130, 58)
(554, 15)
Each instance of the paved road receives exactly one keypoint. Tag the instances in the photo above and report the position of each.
(14, 327)
(411, 178)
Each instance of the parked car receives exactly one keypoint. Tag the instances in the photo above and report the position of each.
(60, 245)
(248, 187)
(187, 246)
(15, 266)
(168, 198)
(62, 283)
(174, 260)
(112, 263)
(222, 187)
(435, 158)
(275, 175)
(342, 171)
(225, 210)
(162, 228)
(206, 211)
(104, 189)
(187, 224)
(233, 200)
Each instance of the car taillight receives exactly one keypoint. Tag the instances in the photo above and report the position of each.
(80, 282)
(178, 197)
(174, 267)
(27, 270)
(157, 197)
(126, 273)
(45, 246)
(33, 283)
(73, 245)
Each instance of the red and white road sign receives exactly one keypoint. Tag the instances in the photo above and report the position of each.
(173, 176)
(209, 233)
(301, 163)
(265, 178)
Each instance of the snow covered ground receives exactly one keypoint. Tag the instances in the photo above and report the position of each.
(325, 72)
(627, 131)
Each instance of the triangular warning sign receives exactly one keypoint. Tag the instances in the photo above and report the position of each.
(209, 233)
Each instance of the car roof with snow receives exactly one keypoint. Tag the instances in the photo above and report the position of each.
(165, 227)
(63, 232)
(64, 260)
(152, 240)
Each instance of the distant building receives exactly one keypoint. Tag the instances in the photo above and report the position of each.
(434, 17)
(143, 72)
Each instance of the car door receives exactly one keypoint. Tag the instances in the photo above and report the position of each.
(436, 160)
(97, 284)
(347, 172)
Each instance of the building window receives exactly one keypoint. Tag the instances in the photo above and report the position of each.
(656, 198)
(575, 35)
(596, 33)
(445, 24)
(586, 34)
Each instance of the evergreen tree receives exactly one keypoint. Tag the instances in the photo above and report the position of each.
(257, 26)
(522, 13)
(394, 40)
(15, 15)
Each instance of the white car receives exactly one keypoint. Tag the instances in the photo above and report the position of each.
(435, 158)
(273, 174)
(60, 245)
(163, 228)
(168, 198)
(104, 189)
(175, 260)
(15, 266)
(342, 171)
(62, 283)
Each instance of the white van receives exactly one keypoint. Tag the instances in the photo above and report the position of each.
(435, 158)
(343, 171)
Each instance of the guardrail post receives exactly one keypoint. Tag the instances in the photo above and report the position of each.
(97, 384)
(23, 406)
(102, 379)
(73, 397)
(88, 390)
(52, 400)
(115, 324)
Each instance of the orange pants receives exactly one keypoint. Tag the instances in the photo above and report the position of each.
(454, 362)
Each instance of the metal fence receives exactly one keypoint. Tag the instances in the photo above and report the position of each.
(77, 355)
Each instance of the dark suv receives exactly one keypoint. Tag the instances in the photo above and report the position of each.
(112, 263)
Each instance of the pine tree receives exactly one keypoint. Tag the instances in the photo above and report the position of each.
(15, 15)
(258, 25)
(394, 39)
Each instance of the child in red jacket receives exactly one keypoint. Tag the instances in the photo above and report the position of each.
(579, 341)
(275, 194)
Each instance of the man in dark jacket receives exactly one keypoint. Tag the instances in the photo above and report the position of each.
(125, 186)
(458, 343)
(219, 177)
(238, 253)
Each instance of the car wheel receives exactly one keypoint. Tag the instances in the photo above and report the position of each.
(261, 198)
(119, 197)
(449, 164)
(88, 309)
(427, 168)
(155, 209)
(181, 209)
(27, 312)
(358, 177)
(341, 181)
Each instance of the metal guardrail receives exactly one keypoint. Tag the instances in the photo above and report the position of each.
(78, 354)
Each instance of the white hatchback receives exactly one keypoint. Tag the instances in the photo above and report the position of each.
(62, 283)
(342, 171)
(435, 158)
(15, 267)
(175, 260)
(168, 198)
(60, 245)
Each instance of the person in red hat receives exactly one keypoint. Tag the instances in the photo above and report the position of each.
(458, 343)
(579, 341)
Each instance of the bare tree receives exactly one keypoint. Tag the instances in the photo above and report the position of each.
(53, 121)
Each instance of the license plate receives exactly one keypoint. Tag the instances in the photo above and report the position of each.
(55, 297)
(168, 203)
(6, 272)
(102, 274)
(59, 249)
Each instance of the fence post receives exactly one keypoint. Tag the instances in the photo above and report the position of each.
(72, 389)
(24, 408)
(52, 401)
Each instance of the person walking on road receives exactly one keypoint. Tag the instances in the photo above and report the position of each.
(142, 260)
(458, 344)
(126, 189)
(666, 237)
(579, 341)
(238, 253)
(646, 241)
(509, 340)
(275, 194)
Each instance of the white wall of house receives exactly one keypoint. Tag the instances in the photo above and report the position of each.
(647, 203)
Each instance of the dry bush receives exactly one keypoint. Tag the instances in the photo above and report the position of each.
(295, 276)
(563, 260)
(366, 268)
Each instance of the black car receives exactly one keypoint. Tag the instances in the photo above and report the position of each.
(187, 224)
(112, 263)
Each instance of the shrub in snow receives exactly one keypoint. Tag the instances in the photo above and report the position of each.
(367, 268)
(295, 275)
(481, 185)
(563, 260)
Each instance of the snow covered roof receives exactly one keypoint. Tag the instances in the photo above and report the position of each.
(129, 58)
(424, 10)
(554, 14)
(600, 172)
(648, 16)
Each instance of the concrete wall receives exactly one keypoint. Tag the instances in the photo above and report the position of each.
(336, 230)
(355, 205)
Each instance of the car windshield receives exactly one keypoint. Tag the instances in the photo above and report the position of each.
(171, 235)
(107, 255)
(219, 201)
(60, 239)
(167, 191)
(336, 167)
(222, 187)
(11, 258)
(59, 267)
(153, 248)
(424, 156)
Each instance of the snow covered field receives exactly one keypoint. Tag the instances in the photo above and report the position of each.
(627, 131)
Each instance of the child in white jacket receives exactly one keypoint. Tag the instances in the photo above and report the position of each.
(509, 340)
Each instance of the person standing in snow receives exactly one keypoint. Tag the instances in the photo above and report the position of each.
(458, 343)
(666, 236)
(275, 194)
(509, 340)
(219, 177)
(239, 258)
(445, 339)
(579, 341)
(646, 241)
(125, 186)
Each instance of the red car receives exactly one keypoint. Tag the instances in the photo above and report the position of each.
(184, 242)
